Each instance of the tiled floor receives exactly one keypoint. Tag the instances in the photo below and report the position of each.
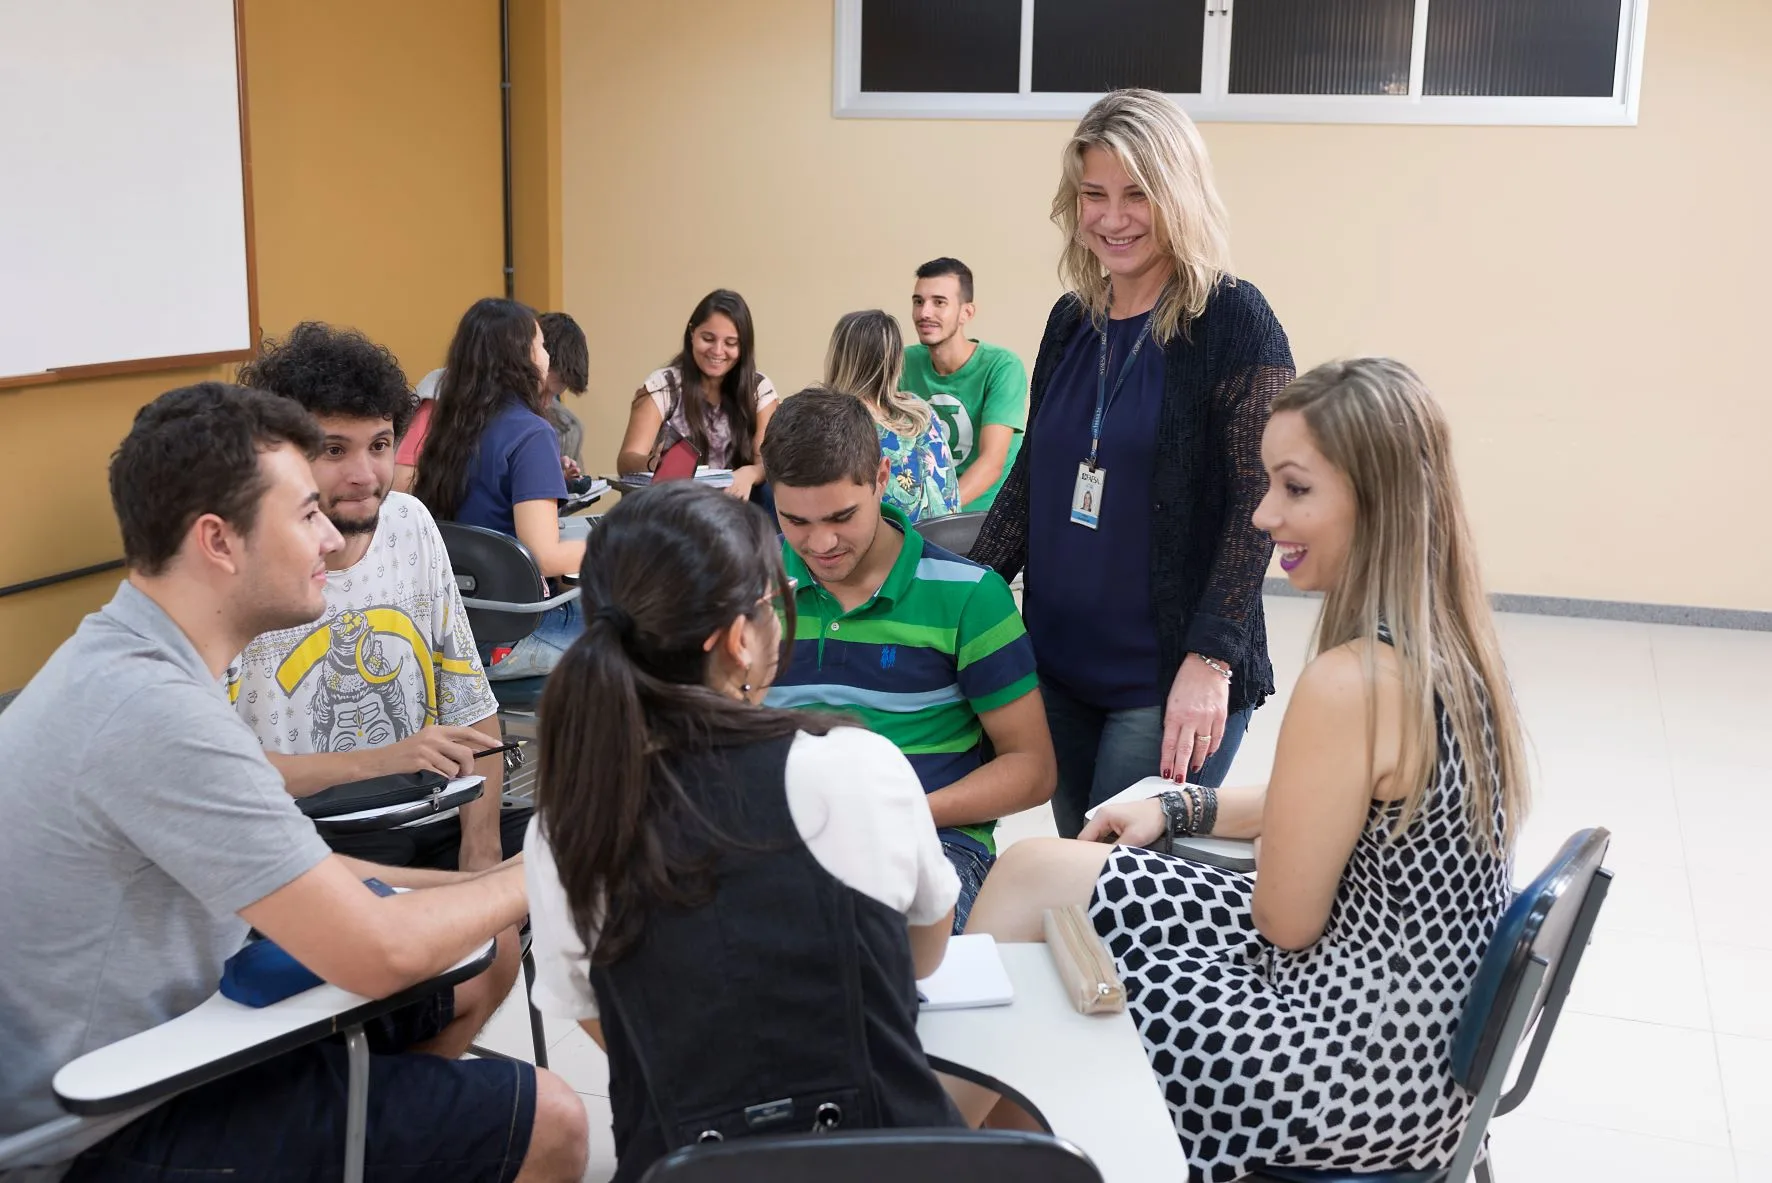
(1662, 1066)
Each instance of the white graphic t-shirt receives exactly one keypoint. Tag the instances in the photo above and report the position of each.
(392, 652)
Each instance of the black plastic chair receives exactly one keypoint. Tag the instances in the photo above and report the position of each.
(955, 531)
(505, 597)
(881, 1156)
(1523, 978)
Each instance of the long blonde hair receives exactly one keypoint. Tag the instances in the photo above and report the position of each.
(1413, 567)
(866, 359)
(1163, 153)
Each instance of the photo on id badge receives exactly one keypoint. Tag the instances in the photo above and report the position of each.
(1086, 497)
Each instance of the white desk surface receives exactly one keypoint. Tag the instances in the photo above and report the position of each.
(216, 1030)
(1087, 1074)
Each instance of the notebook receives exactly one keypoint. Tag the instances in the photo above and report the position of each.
(1150, 786)
(971, 975)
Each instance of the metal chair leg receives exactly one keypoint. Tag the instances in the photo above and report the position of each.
(356, 1104)
(537, 1034)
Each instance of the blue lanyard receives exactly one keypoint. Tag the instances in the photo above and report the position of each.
(1103, 396)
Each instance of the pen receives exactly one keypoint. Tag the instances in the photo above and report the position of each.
(508, 747)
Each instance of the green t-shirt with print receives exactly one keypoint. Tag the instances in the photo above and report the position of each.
(991, 388)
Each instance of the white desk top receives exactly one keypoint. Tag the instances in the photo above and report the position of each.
(220, 1036)
(1087, 1074)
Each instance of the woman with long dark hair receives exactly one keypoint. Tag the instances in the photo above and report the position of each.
(711, 395)
(733, 901)
(492, 459)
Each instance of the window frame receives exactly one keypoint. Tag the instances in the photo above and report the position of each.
(1215, 104)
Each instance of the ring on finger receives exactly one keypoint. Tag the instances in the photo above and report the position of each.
(1206, 739)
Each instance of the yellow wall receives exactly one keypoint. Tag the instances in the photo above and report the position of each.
(535, 150)
(1586, 301)
(377, 200)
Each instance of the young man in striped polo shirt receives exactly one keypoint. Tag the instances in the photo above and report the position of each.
(919, 644)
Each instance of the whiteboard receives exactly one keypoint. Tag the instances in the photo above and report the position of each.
(123, 218)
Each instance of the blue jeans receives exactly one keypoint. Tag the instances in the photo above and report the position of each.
(537, 654)
(1102, 752)
(971, 864)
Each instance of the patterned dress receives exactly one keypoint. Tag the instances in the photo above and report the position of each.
(1335, 1056)
(923, 482)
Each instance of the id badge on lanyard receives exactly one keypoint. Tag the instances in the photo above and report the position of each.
(1091, 487)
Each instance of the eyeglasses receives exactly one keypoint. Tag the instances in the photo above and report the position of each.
(778, 599)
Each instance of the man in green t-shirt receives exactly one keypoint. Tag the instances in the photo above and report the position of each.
(979, 390)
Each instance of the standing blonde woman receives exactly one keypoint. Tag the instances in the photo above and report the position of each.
(1150, 389)
(1305, 1017)
(866, 359)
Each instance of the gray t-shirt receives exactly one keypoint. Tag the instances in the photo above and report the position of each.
(137, 817)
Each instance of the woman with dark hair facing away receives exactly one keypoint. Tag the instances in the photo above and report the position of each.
(1304, 1017)
(711, 395)
(1150, 389)
(866, 359)
(733, 901)
(568, 373)
(493, 460)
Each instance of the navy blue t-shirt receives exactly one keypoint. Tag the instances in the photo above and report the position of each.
(1088, 592)
(518, 460)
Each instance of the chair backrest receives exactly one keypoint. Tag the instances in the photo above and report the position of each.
(1549, 921)
(955, 531)
(494, 566)
(881, 1156)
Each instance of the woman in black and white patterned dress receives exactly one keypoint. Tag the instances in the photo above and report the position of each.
(1305, 1017)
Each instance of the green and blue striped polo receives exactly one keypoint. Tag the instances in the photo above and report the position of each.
(940, 643)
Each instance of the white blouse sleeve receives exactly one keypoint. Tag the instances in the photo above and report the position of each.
(765, 392)
(658, 385)
(860, 809)
(562, 967)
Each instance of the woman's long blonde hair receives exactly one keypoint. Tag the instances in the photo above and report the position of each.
(866, 359)
(1413, 567)
(1163, 153)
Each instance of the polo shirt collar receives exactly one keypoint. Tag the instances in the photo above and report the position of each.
(135, 610)
(898, 580)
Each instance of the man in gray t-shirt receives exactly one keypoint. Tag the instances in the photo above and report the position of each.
(144, 832)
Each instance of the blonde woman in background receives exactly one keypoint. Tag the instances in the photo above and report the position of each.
(1145, 608)
(1305, 1017)
(866, 359)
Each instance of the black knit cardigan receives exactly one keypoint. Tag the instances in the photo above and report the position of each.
(1207, 558)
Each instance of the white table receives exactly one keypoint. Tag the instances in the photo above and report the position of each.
(220, 1036)
(1086, 1074)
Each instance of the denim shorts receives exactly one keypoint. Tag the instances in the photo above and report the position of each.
(536, 655)
(283, 1121)
(972, 864)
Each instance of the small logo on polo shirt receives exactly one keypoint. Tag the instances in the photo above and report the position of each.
(888, 656)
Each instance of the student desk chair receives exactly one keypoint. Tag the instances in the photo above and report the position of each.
(505, 597)
(219, 1038)
(880, 1156)
(1085, 1078)
(1522, 980)
(1232, 854)
(954, 532)
(457, 793)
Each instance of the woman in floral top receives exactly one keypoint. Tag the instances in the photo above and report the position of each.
(866, 359)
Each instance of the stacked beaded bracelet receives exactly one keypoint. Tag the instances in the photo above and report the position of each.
(1190, 809)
